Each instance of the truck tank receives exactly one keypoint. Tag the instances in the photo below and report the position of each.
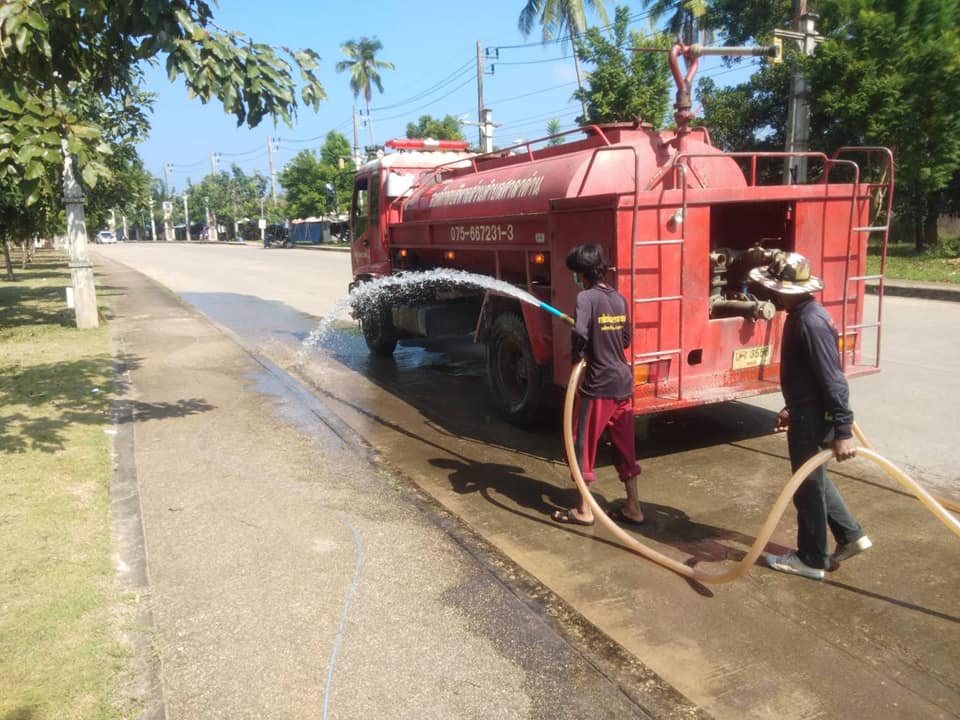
(681, 224)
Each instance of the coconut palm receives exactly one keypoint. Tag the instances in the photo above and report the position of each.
(686, 17)
(364, 70)
(555, 16)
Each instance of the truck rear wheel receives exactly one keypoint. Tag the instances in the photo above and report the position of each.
(378, 329)
(514, 376)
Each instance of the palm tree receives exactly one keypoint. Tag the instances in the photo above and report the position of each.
(686, 19)
(364, 70)
(554, 17)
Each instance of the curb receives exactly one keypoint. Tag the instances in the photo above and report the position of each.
(946, 293)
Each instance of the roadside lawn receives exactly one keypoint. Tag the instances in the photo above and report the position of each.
(941, 264)
(59, 652)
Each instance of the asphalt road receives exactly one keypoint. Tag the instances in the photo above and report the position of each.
(908, 410)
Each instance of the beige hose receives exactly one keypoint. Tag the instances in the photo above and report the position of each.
(769, 524)
(948, 504)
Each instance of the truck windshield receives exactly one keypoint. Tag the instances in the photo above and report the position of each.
(361, 202)
(366, 205)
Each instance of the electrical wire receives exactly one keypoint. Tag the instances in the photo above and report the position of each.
(456, 74)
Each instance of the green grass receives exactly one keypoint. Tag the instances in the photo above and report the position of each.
(941, 264)
(59, 656)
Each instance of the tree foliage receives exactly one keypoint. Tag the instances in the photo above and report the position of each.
(889, 74)
(749, 116)
(364, 68)
(686, 19)
(624, 85)
(558, 16)
(430, 127)
(232, 197)
(63, 60)
(319, 184)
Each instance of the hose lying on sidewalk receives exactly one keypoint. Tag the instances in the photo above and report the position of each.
(769, 525)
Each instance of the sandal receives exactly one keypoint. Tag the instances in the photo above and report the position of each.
(566, 517)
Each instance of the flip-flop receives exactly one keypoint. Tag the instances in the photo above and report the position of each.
(566, 517)
(618, 517)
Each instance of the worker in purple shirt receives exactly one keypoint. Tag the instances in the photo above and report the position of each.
(817, 415)
(605, 397)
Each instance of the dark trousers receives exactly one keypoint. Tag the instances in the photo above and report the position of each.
(818, 502)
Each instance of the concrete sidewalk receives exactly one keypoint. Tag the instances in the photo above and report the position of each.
(285, 576)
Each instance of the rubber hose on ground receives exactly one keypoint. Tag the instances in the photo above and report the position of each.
(769, 525)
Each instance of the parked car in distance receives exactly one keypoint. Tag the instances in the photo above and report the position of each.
(105, 236)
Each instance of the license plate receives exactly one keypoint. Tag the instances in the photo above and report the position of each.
(752, 357)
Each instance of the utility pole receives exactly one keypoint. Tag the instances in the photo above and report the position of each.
(357, 158)
(480, 118)
(213, 163)
(273, 177)
(798, 117)
(166, 179)
(186, 217)
(485, 124)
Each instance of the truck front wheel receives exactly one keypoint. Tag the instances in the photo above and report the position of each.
(378, 329)
(514, 376)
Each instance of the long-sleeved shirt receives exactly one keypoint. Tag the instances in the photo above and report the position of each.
(601, 333)
(810, 375)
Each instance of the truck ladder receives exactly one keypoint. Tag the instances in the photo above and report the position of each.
(882, 191)
(668, 351)
(636, 358)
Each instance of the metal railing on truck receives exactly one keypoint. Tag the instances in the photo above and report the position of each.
(680, 165)
(884, 191)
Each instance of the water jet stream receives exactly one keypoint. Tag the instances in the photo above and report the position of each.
(366, 295)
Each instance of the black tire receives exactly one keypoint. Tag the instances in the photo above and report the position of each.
(516, 380)
(378, 330)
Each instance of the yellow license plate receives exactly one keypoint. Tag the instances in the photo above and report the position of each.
(752, 357)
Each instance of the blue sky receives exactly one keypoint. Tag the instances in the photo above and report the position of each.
(433, 46)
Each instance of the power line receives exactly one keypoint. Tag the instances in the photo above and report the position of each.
(456, 74)
(468, 81)
(238, 154)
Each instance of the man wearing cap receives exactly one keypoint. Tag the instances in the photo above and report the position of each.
(817, 415)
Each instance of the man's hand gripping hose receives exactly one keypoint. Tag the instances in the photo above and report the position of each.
(935, 505)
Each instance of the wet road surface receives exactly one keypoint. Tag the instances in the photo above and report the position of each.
(878, 639)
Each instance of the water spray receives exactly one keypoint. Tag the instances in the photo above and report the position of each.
(366, 294)
(769, 525)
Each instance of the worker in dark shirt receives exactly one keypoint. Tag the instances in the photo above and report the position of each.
(817, 415)
(605, 397)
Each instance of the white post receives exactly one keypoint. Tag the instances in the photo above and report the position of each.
(153, 225)
(263, 222)
(186, 217)
(81, 269)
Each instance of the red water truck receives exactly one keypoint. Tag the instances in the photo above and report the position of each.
(681, 222)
